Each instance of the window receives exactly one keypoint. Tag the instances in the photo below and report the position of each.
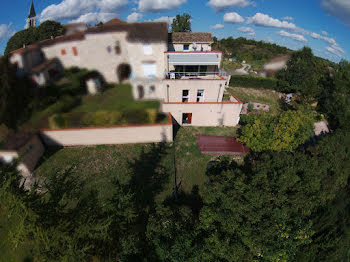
(186, 47)
(149, 69)
(200, 95)
(152, 88)
(147, 49)
(117, 48)
(185, 96)
(63, 51)
(75, 51)
(186, 118)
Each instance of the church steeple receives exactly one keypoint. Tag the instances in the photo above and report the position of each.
(31, 20)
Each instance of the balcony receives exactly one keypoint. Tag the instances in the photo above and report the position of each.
(194, 58)
(220, 75)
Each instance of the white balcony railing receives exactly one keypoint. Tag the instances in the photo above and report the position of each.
(196, 75)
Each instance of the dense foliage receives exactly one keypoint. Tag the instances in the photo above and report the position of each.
(304, 74)
(253, 82)
(286, 131)
(16, 95)
(33, 35)
(181, 23)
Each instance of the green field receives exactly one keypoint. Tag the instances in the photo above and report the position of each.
(98, 166)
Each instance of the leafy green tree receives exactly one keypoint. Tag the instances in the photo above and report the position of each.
(273, 207)
(171, 230)
(284, 132)
(16, 95)
(182, 23)
(302, 74)
(34, 34)
(335, 101)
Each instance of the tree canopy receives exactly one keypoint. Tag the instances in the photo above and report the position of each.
(181, 23)
(284, 132)
(33, 35)
(16, 95)
(303, 74)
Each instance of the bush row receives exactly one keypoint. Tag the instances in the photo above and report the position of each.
(105, 118)
(254, 82)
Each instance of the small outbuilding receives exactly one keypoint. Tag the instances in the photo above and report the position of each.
(25, 146)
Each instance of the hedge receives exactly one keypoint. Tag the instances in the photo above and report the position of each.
(253, 82)
(105, 118)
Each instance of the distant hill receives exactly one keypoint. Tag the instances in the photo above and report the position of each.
(255, 53)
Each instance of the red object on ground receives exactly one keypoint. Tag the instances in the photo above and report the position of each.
(219, 145)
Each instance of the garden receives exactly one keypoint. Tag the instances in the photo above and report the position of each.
(74, 108)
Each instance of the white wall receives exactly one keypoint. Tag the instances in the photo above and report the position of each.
(212, 90)
(206, 114)
(205, 46)
(109, 135)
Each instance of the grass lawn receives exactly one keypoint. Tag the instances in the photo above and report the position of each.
(117, 98)
(266, 96)
(98, 166)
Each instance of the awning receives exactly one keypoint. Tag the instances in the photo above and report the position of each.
(194, 59)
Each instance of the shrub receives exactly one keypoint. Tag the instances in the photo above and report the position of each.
(253, 82)
(284, 132)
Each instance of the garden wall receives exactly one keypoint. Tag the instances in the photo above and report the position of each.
(152, 133)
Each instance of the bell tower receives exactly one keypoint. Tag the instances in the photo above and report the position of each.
(31, 20)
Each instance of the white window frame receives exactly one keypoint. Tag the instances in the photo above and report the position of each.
(149, 69)
(185, 97)
(200, 99)
(147, 49)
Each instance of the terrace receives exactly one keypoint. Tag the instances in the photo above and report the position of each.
(115, 106)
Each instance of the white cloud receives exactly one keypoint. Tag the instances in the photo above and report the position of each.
(217, 26)
(159, 5)
(6, 31)
(248, 30)
(94, 18)
(334, 51)
(133, 17)
(260, 19)
(74, 9)
(233, 18)
(293, 36)
(288, 18)
(168, 19)
(338, 8)
(324, 33)
(220, 5)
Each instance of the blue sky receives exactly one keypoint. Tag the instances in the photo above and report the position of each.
(321, 24)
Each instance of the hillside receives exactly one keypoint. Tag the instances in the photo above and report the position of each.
(255, 53)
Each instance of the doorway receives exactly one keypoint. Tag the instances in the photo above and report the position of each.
(123, 72)
(186, 118)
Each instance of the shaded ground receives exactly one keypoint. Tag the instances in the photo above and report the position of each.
(98, 166)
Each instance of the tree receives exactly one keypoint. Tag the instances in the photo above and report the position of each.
(284, 132)
(182, 23)
(15, 95)
(280, 206)
(335, 100)
(302, 74)
(34, 34)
